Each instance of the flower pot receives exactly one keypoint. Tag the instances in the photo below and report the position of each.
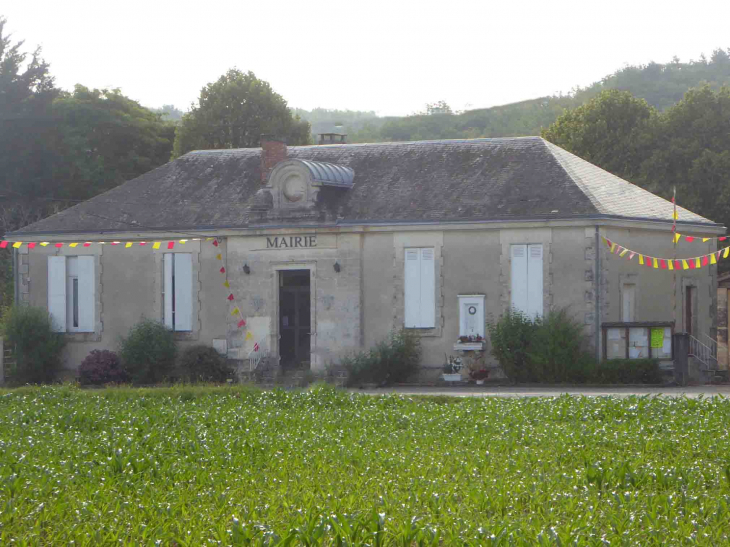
(451, 377)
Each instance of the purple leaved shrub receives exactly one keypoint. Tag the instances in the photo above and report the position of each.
(102, 367)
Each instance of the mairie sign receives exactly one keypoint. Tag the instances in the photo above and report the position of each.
(291, 242)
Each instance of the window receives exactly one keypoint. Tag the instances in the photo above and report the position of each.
(527, 288)
(628, 302)
(72, 293)
(178, 291)
(420, 288)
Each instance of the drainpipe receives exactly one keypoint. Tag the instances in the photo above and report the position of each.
(597, 296)
(16, 286)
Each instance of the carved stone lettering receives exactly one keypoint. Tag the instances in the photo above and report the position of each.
(291, 242)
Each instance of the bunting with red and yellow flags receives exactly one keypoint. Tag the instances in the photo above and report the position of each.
(667, 263)
(682, 237)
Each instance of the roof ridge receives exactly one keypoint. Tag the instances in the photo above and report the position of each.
(574, 176)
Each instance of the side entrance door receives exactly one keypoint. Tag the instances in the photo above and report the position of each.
(295, 319)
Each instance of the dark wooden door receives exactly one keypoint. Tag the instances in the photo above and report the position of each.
(295, 319)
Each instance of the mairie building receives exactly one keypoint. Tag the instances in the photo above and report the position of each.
(309, 253)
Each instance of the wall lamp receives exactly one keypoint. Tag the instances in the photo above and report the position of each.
(246, 269)
(337, 267)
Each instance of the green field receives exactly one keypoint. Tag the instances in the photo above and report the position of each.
(208, 466)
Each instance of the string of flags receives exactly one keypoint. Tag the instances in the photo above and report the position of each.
(668, 263)
(169, 244)
(678, 237)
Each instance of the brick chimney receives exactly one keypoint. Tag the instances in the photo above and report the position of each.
(273, 150)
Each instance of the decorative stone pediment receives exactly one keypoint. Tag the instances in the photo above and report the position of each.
(293, 186)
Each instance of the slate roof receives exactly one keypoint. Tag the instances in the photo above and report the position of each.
(520, 178)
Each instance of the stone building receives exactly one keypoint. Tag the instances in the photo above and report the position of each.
(327, 249)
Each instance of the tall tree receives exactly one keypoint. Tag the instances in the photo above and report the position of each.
(234, 112)
(610, 131)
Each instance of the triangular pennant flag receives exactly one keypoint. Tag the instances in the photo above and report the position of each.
(705, 239)
(17, 244)
(613, 247)
(170, 244)
(249, 336)
(641, 259)
(156, 245)
(692, 264)
(231, 297)
(689, 238)
(724, 255)
(235, 311)
(219, 256)
(86, 244)
(624, 251)
(59, 245)
(128, 244)
(676, 237)
(241, 323)
(663, 264)
(256, 346)
(671, 264)
(649, 261)
(684, 265)
(143, 243)
(31, 245)
(45, 243)
(183, 241)
(226, 284)
(701, 261)
(223, 270)
(723, 238)
(215, 241)
(3, 244)
(712, 258)
(675, 215)
(72, 245)
(656, 263)
(632, 255)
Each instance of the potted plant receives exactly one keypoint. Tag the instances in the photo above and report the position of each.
(479, 375)
(451, 369)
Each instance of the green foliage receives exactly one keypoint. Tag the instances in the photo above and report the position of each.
(628, 371)
(510, 339)
(203, 363)
(148, 352)
(234, 112)
(192, 465)
(557, 350)
(28, 333)
(390, 361)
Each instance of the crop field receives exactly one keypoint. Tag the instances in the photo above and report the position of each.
(238, 466)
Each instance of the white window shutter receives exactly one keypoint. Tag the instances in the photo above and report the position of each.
(87, 293)
(167, 289)
(428, 290)
(519, 278)
(535, 288)
(57, 292)
(183, 291)
(412, 288)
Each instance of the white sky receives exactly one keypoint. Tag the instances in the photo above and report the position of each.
(389, 56)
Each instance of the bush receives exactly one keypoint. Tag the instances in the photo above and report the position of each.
(392, 360)
(510, 339)
(148, 352)
(102, 367)
(204, 364)
(557, 350)
(36, 348)
(628, 371)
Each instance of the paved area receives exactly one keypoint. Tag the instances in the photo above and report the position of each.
(489, 391)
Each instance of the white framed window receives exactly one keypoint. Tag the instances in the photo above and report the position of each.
(420, 288)
(72, 293)
(527, 286)
(177, 292)
(628, 302)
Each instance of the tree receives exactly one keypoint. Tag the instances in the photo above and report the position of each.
(169, 113)
(102, 139)
(234, 112)
(609, 131)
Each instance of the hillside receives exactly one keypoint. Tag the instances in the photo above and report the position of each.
(662, 85)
